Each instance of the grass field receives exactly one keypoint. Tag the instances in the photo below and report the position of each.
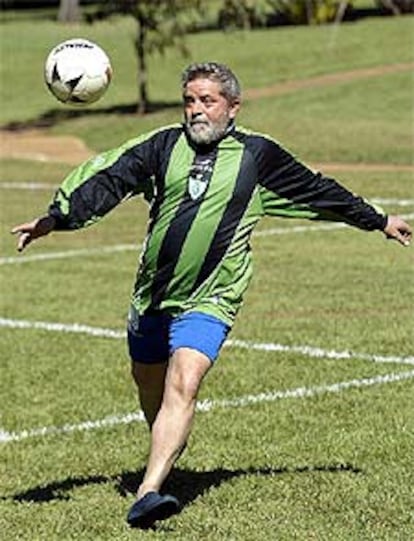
(305, 429)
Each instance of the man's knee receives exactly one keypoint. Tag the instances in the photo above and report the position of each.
(186, 371)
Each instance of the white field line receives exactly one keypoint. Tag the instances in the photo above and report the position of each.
(61, 327)
(395, 202)
(209, 405)
(48, 186)
(309, 228)
(27, 186)
(298, 229)
(303, 392)
(84, 252)
(307, 351)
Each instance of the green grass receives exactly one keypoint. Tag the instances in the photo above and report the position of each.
(260, 58)
(377, 111)
(335, 466)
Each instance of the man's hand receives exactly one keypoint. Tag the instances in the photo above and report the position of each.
(32, 230)
(399, 230)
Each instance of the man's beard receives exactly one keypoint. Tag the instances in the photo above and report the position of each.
(203, 132)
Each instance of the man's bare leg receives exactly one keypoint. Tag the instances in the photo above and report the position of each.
(173, 422)
(150, 380)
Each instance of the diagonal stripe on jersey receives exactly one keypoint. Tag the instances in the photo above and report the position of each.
(230, 220)
(174, 239)
(196, 248)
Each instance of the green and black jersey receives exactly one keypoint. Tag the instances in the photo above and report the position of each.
(204, 204)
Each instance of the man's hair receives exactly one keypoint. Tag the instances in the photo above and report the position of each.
(230, 87)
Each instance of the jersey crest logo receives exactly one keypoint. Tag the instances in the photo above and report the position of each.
(196, 187)
(200, 174)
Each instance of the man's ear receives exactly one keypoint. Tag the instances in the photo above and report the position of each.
(234, 108)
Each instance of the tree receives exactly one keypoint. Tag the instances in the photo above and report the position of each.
(310, 11)
(242, 13)
(165, 23)
(250, 13)
(160, 24)
(69, 11)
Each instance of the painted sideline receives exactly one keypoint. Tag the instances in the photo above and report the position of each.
(307, 351)
(134, 247)
(33, 185)
(82, 252)
(210, 405)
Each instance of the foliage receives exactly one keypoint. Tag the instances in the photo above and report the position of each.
(160, 24)
(307, 11)
(165, 22)
(249, 13)
(317, 51)
(242, 13)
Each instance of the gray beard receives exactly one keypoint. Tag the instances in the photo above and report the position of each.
(208, 134)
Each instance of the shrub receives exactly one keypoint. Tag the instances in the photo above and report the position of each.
(306, 11)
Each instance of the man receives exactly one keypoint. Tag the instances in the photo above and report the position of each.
(208, 182)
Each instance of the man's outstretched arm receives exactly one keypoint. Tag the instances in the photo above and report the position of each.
(289, 188)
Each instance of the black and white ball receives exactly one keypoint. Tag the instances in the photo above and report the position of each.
(78, 72)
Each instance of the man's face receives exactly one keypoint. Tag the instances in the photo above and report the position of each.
(207, 112)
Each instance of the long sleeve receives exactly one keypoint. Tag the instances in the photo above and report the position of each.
(289, 188)
(97, 186)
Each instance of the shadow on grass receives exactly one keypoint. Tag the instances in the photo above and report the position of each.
(54, 116)
(186, 485)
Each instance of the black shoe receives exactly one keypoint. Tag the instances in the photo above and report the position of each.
(150, 508)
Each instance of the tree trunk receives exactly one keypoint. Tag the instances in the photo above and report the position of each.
(69, 11)
(142, 106)
(389, 4)
(343, 4)
(309, 11)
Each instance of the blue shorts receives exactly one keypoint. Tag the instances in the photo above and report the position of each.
(154, 338)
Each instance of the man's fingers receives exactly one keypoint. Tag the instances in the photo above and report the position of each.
(24, 232)
(24, 236)
(19, 229)
(399, 230)
(401, 237)
(404, 235)
(24, 240)
(30, 231)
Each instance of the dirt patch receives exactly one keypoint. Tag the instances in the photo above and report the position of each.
(326, 80)
(37, 146)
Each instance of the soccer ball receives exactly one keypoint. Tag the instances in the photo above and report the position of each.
(77, 72)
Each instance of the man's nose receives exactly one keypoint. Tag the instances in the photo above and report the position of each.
(196, 114)
(196, 109)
